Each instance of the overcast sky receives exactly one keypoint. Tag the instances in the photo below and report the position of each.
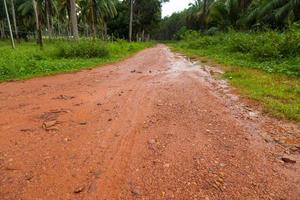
(175, 6)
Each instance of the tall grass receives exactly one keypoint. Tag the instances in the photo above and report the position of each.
(271, 51)
(263, 66)
(27, 60)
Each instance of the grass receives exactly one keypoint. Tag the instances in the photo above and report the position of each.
(275, 83)
(58, 56)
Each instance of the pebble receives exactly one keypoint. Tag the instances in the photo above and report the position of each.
(288, 159)
(151, 141)
(167, 165)
(79, 189)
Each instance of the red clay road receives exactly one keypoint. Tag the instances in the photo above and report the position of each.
(154, 126)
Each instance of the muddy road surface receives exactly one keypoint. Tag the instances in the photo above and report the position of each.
(154, 126)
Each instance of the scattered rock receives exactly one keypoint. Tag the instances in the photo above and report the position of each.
(28, 176)
(151, 141)
(295, 149)
(83, 123)
(288, 159)
(79, 189)
(110, 119)
(26, 130)
(64, 97)
(167, 165)
(133, 71)
(49, 125)
(136, 191)
(252, 114)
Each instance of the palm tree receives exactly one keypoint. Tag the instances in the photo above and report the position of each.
(130, 20)
(97, 12)
(9, 25)
(273, 12)
(225, 13)
(73, 19)
(13, 12)
(198, 12)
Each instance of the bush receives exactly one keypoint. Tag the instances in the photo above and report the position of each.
(240, 43)
(203, 42)
(270, 50)
(290, 45)
(266, 45)
(83, 49)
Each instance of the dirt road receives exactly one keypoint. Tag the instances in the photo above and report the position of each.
(154, 126)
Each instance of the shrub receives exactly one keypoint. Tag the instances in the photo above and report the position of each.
(203, 42)
(290, 45)
(83, 49)
(266, 46)
(240, 42)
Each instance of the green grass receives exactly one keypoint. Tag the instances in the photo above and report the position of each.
(273, 82)
(58, 56)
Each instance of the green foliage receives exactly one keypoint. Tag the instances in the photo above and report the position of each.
(273, 82)
(83, 49)
(27, 60)
(271, 51)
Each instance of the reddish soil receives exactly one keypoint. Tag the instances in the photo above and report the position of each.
(154, 126)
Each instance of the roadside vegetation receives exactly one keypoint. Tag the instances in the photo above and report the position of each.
(41, 37)
(256, 43)
(57, 56)
(271, 80)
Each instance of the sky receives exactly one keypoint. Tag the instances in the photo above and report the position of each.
(174, 6)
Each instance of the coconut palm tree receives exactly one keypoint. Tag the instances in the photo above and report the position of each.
(97, 12)
(275, 13)
(225, 13)
(73, 19)
(13, 12)
(9, 25)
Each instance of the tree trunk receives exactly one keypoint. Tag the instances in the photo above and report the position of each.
(93, 21)
(14, 18)
(2, 32)
(131, 20)
(74, 25)
(48, 18)
(9, 25)
(105, 29)
(244, 5)
(143, 35)
(203, 17)
(39, 38)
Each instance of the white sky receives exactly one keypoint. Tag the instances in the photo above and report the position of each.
(174, 6)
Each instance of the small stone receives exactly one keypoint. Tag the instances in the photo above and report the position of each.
(110, 119)
(136, 191)
(28, 176)
(252, 114)
(151, 141)
(288, 159)
(167, 165)
(49, 124)
(83, 123)
(79, 189)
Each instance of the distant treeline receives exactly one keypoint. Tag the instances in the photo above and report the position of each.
(74, 18)
(211, 16)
